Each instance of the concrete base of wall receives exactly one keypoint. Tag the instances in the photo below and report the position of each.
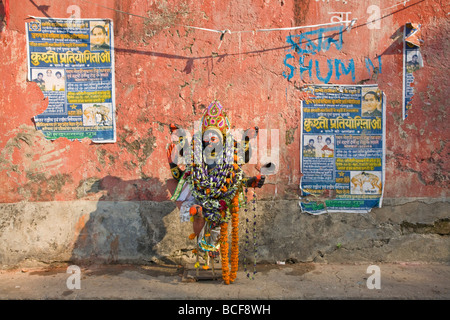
(140, 232)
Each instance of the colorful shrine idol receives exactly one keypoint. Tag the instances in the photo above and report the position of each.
(212, 184)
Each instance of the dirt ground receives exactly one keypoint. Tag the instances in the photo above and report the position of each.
(290, 281)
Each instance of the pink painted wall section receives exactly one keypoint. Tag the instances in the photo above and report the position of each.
(167, 73)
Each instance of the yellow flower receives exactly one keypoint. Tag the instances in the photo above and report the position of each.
(197, 265)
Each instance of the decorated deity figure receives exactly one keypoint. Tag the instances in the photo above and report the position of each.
(211, 184)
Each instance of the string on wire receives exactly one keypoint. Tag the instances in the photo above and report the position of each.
(349, 24)
(404, 2)
(225, 31)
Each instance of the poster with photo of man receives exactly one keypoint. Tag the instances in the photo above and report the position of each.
(342, 156)
(76, 76)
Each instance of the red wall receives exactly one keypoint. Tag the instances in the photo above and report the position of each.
(166, 73)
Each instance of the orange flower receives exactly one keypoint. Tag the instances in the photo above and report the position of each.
(224, 189)
(192, 211)
(192, 236)
(208, 191)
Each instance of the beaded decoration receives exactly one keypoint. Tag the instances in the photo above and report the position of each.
(247, 237)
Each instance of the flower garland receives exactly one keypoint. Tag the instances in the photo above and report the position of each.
(227, 274)
(219, 183)
(234, 237)
(224, 252)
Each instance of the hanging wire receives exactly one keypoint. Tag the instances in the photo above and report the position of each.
(223, 32)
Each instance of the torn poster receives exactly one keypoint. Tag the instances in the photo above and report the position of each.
(342, 154)
(412, 61)
(72, 61)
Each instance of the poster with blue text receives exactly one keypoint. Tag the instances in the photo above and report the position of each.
(72, 62)
(342, 149)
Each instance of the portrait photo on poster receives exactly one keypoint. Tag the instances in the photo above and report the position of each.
(99, 35)
(371, 102)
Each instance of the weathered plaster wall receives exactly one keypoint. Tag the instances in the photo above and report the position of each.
(147, 231)
(167, 73)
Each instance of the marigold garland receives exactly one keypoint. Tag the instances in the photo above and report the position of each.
(234, 238)
(224, 252)
(227, 274)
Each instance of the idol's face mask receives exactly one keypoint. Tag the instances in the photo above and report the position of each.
(212, 144)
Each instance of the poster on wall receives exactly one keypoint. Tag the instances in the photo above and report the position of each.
(412, 61)
(342, 152)
(72, 62)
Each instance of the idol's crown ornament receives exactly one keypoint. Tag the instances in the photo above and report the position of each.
(214, 117)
